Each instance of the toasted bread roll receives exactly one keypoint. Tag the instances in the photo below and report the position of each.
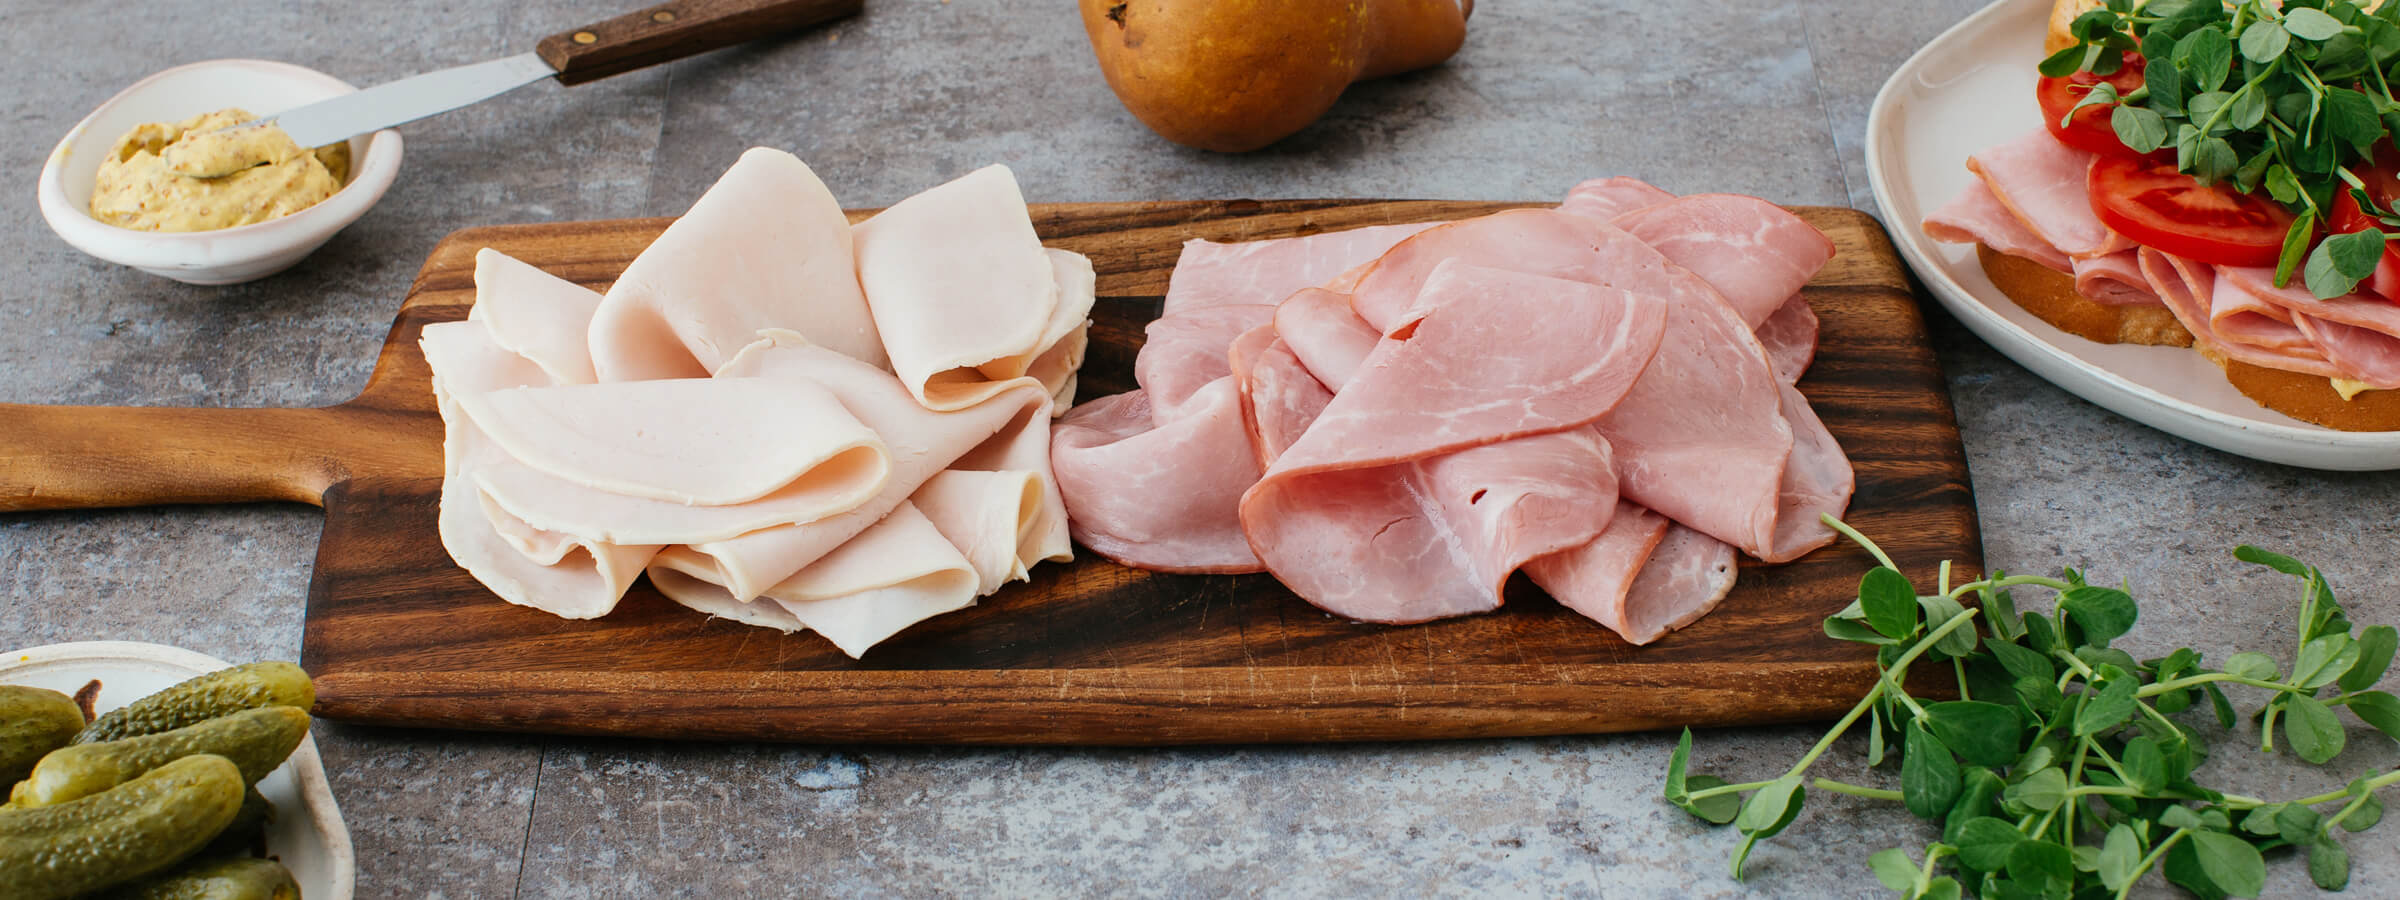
(2051, 295)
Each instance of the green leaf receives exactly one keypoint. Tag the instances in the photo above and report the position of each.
(2103, 613)
(2263, 41)
(2272, 560)
(2000, 610)
(2324, 272)
(1771, 808)
(2034, 862)
(2062, 64)
(2368, 813)
(1985, 843)
(2145, 767)
(2039, 634)
(1943, 888)
(1940, 609)
(2350, 116)
(2375, 646)
(1929, 777)
(2108, 708)
(2311, 729)
(2020, 662)
(1894, 868)
(2182, 867)
(2040, 696)
(2043, 790)
(2324, 659)
(2328, 863)
(1875, 735)
(2306, 24)
(2246, 110)
(1984, 734)
(2120, 857)
(1975, 797)
(1889, 602)
(2206, 55)
(2295, 239)
(2139, 128)
(1856, 631)
(2231, 863)
(2255, 666)
(1715, 809)
(2166, 89)
(2295, 824)
(2379, 710)
(2179, 817)
(2222, 706)
(1677, 763)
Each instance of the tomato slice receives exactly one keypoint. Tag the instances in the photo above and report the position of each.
(2383, 184)
(2164, 209)
(2089, 129)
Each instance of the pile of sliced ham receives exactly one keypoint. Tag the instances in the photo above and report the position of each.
(2030, 199)
(782, 419)
(1394, 420)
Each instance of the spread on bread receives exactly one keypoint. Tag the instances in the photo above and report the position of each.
(2214, 176)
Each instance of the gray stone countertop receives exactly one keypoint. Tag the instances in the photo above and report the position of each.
(1695, 95)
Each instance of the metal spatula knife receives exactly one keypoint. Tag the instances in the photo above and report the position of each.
(659, 34)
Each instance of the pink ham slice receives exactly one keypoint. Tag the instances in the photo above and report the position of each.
(1756, 254)
(2042, 182)
(1608, 198)
(2188, 289)
(1790, 338)
(1594, 578)
(1687, 574)
(1279, 395)
(1380, 513)
(1264, 272)
(1976, 216)
(1159, 497)
(2357, 334)
(2114, 280)
(1152, 478)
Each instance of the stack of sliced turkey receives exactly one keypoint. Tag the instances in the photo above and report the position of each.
(783, 419)
(1394, 420)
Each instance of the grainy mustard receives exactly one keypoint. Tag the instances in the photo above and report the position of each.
(198, 176)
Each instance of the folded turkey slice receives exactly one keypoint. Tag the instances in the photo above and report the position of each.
(766, 247)
(1011, 425)
(899, 571)
(528, 566)
(536, 315)
(963, 292)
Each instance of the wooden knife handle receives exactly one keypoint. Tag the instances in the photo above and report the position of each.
(86, 457)
(676, 29)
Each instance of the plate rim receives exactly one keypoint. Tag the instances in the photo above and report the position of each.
(306, 765)
(2296, 443)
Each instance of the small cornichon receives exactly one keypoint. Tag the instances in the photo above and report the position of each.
(2289, 97)
(2063, 769)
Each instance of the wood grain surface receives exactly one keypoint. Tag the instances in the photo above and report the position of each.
(1086, 653)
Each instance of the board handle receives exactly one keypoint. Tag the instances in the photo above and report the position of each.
(676, 29)
(88, 457)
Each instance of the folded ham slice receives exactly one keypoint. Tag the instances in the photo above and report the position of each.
(2114, 280)
(1977, 216)
(1756, 254)
(1265, 272)
(2042, 183)
(1608, 198)
(1379, 513)
(766, 247)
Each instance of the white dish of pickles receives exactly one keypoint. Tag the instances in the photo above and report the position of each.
(306, 834)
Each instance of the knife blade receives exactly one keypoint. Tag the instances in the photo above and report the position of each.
(658, 34)
(407, 100)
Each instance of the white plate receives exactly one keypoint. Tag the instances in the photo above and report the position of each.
(307, 836)
(1972, 88)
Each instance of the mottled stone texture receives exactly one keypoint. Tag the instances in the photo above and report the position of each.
(1757, 97)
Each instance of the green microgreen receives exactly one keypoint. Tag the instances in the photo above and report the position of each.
(2061, 770)
(2284, 95)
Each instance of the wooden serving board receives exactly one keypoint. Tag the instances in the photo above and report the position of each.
(1086, 653)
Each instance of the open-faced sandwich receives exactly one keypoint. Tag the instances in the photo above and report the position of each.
(2212, 175)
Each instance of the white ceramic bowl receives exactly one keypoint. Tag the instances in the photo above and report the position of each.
(225, 256)
(1971, 88)
(307, 835)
